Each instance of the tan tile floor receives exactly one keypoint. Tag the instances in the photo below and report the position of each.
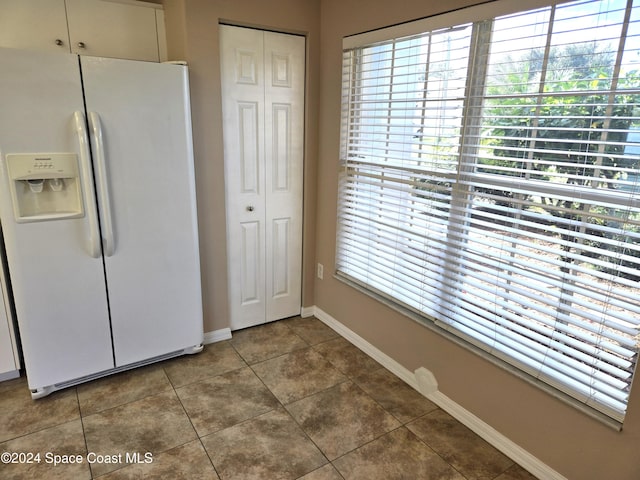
(286, 400)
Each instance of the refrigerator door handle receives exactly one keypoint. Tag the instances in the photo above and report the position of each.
(103, 187)
(87, 185)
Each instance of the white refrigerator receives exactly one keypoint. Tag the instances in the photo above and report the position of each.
(97, 204)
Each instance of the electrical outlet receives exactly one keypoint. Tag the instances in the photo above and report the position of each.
(320, 271)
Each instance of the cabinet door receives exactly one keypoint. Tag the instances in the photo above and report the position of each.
(109, 29)
(34, 24)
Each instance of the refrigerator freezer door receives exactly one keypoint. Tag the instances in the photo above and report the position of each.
(59, 288)
(140, 111)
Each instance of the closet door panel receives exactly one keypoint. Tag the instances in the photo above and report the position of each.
(263, 113)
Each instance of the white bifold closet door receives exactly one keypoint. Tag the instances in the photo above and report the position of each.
(263, 113)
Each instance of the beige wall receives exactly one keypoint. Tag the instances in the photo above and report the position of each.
(192, 35)
(568, 441)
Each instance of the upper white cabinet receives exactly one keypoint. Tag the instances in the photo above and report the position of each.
(109, 29)
(34, 24)
(106, 28)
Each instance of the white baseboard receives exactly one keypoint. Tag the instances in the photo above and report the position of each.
(379, 356)
(217, 336)
(306, 312)
(425, 382)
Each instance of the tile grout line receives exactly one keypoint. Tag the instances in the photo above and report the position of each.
(283, 405)
(84, 433)
(352, 380)
(402, 424)
(199, 438)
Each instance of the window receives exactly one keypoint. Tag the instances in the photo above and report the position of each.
(490, 184)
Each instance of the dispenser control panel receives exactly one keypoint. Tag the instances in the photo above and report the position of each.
(43, 164)
(32, 166)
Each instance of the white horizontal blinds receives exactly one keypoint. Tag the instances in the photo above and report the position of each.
(491, 182)
(400, 145)
(408, 101)
(552, 228)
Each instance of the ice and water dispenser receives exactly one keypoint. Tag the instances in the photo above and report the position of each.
(44, 186)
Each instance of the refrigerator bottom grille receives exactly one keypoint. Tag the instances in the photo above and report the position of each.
(44, 391)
